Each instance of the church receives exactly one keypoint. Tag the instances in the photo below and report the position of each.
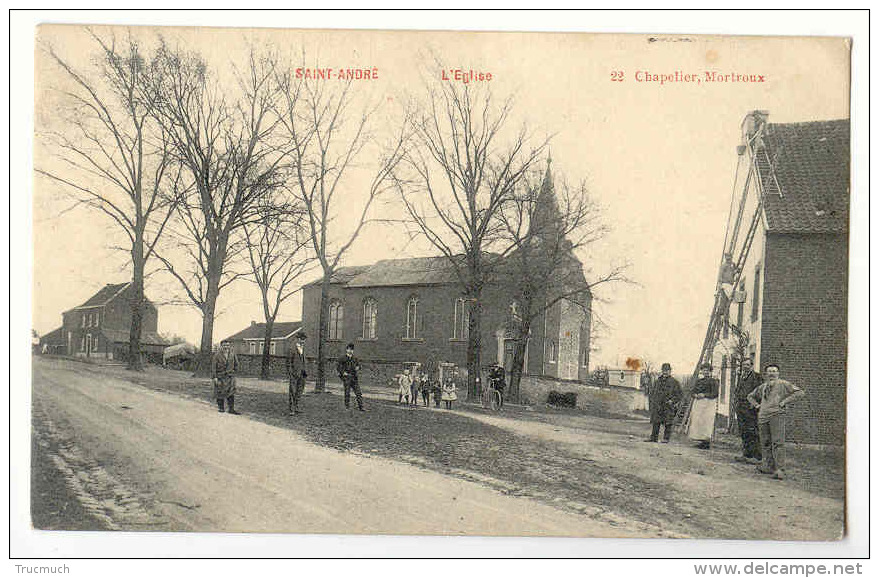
(413, 310)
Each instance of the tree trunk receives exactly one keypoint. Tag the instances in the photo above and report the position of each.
(135, 362)
(265, 371)
(203, 368)
(474, 343)
(320, 380)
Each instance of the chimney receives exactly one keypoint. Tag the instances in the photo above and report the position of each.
(252, 323)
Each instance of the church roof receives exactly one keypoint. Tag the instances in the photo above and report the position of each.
(411, 271)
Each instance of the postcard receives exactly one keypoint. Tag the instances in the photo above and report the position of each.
(435, 283)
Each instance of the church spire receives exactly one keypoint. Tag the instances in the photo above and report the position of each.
(546, 212)
(546, 187)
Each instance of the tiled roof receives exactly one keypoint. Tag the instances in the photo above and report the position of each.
(420, 271)
(122, 336)
(412, 271)
(257, 330)
(811, 162)
(104, 295)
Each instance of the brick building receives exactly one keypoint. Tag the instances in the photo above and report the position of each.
(100, 327)
(403, 311)
(790, 305)
(400, 311)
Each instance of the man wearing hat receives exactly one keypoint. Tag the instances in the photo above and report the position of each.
(704, 408)
(664, 396)
(347, 368)
(224, 365)
(296, 373)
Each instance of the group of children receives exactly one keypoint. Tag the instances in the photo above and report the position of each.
(411, 383)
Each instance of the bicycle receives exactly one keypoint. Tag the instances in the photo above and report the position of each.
(492, 397)
(495, 398)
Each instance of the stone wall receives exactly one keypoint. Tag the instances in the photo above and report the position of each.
(373, 373)
(611, 400)
(250, 365)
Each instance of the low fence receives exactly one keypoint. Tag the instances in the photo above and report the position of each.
(535, 390)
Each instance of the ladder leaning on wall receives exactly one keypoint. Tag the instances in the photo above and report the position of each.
(760, 171)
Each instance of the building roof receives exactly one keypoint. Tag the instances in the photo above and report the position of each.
(400, 272)
(811, 161)
(415, 271)
(343, 274)
(123, 335)
(105, 295)
(55, 337)
(280, 330)
(411, 271)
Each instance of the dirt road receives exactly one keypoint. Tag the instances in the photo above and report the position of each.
(701, 493)
(138, 459)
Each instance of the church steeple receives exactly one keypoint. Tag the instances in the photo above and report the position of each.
(546, 213)
(546, 187)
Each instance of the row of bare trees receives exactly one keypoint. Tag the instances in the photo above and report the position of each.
(222, 173)
(253, 177)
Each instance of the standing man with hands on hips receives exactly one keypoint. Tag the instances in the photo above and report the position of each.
(771, 399)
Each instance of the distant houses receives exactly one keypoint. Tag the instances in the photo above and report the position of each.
(100, 328)
(251, 340)
(54, 342)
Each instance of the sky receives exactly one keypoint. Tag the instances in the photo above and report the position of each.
(659, 158)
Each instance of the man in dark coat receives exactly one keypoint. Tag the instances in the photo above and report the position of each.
(664, 396)
(746, 415)
(347, 368)
(296, 374)
(224, 366)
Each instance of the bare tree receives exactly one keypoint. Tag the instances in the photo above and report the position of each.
(115, 159)
(225, 148)
(465, 165)
(277, 246)
(324, 138)
(549, 224)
